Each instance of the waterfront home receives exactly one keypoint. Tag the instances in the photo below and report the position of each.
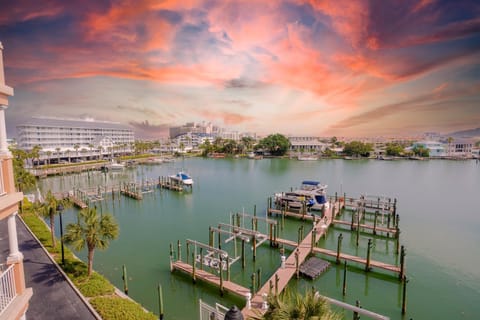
(435, 149)
(461, 148)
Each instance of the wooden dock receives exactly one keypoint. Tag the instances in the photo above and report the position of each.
(169, 183)
(366, 226)
(212, 279)
(131, 194)
(373, 263)
(79, 203)
(283, 275)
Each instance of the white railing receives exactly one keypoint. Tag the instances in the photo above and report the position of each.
(207, 312)
(7, 286)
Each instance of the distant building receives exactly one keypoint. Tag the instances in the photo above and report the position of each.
(460, 148)
(306, 145)
(50, 133)
(14, 296)
(191, 127)
(435, 148)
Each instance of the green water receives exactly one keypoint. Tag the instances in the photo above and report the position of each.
(439, 220)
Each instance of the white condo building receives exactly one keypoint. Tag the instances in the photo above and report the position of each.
(52, 133)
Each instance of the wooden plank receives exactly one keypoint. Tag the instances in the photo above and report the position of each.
(211, 279)
(365, 226)
(348, 257)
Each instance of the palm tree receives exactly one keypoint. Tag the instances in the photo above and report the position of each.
(292, 305)
(49, 154)
(450, 140)
(49, 209)
(91, 231)
(35, 154)
(58, 154)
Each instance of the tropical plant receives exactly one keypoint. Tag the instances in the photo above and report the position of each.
(91, 231)
(277, 144)
(357, 148)
(394, 149)
(293, 305)
(48, 209)
(58, 154)
(35, 154)
(23, 179)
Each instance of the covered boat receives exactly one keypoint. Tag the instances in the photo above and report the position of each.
(183, 178)
(311, 194)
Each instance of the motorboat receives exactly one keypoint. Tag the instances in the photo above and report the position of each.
(311, 194)
(307, 158)
(183, 177)
(115, 166)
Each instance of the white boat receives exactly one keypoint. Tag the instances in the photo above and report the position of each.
(114, 166)
(183, 177)
(154, 161)
(312, 194)
(307, 158)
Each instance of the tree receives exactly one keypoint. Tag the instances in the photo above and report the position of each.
(23, 179)
(277, 144)
(421, 151)
(357, 148)
(477, 144)
(206, 148)
(230, 146)
(49, 154)
(292, 305)
(76, 147)
(247, 143)
(49, 209)
(449, 140)
(91, 231)
(394, 149)
(58, 154)
(35, 154)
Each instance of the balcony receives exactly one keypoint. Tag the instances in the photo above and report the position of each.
(12, 304)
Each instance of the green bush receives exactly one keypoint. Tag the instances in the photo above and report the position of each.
(112, 308)
(96, 285)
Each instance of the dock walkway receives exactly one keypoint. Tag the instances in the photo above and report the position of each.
(211, 279)
(344, 256)
(285, 274)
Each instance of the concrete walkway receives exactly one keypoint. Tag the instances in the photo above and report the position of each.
(53, 297)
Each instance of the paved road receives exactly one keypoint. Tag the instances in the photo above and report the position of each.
(53, 298)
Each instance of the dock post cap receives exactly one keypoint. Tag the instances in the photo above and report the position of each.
(233, 314)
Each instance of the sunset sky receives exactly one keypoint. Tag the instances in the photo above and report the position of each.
(304, 67)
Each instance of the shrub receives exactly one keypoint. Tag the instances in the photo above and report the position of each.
(112, 308)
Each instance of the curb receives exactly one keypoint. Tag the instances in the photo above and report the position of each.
(79, 294)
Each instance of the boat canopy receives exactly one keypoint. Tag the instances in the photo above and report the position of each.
(311, 182)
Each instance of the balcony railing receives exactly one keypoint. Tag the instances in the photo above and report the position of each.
(8, 291)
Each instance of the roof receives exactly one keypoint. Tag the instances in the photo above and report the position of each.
(62, 123)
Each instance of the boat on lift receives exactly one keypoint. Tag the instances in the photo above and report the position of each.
(311, 194)
(183, 177)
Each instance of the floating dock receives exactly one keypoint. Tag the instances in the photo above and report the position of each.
(314, 267)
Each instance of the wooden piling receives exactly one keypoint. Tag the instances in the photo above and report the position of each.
(179, 251)
(210, 238)
(339, 246)
(369, 247)
(402, 263)
(355, 314)
(194, 264)
(344, 289)
(254, 283)
(276, 284)
(201, 258)
(254, 248)
(375, 223)
(221, 275)
(125, 280)
(297, 266)
(160, 301)
(243, 254)
(404, 296)
(188, 252)
(259, 277)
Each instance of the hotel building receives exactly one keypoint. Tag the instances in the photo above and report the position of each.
(14, 297)
(50, 133)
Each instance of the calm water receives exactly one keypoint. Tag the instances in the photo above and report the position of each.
(439, 219)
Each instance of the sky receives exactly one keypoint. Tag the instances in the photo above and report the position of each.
(300, 67)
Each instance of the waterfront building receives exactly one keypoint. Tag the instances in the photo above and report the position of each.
(193, 128)
(460, 148)
(14, 296)
(435, 149)
(59, 137)
(306, 145)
